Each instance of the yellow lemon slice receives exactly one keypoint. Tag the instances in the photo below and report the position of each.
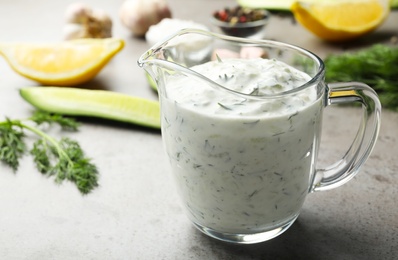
(341, 20)
(94, 103)
(285, 5)
(64, 64)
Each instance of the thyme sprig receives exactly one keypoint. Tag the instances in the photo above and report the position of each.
(64, 159)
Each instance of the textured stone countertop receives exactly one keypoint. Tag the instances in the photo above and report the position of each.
(135, 213)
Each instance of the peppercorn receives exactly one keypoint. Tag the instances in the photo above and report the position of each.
(239, 15)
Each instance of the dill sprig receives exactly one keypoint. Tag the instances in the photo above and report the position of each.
(12, 146)
(376, 66)
(64, 159)
(224, 106)
(218, 58)
(40, 117)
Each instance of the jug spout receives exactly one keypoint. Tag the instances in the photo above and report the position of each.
(184, 48)
(182, 53)
(146, 61)
(176, 53)
(151, 62)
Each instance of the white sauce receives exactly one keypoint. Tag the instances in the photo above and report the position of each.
(242, 166)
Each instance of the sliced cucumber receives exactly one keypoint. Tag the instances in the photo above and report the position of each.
(151, 82)
(283, 5)
(94, 103)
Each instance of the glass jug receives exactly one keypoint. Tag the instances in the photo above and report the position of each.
(244, 157)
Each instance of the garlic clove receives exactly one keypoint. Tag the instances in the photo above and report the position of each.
(74, 31)
(250, 52)
(128, 18)
(84, 22)
(77, 13)
(224, 54)
(139, 15)
(100, 24)
(102, 17)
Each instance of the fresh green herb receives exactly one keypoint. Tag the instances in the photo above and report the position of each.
(218, 58)
(292, 115)
(255, 91)
(224, 106)
(376, 66)
(11, 144)
(253, 193)
(276, 134)
(225, 77)
(195, 166)
(252, 123)
(63, 159)
(245, 213)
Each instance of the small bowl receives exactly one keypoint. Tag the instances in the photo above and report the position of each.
(253, 29)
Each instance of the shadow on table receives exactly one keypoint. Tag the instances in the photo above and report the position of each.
(377, 37)
(94, 84)
(304, 240)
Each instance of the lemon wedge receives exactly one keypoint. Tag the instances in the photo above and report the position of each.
(94, 103)
(64, 64)
(341, 20)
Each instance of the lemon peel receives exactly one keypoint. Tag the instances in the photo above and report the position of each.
(65, 63)
(341, 20)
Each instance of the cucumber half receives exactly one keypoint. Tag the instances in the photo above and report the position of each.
(94, 103)
(151, 82)
(282, 5)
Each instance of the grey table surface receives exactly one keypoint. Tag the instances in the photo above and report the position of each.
(135, 213)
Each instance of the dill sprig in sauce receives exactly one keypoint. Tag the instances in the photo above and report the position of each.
(64, 159)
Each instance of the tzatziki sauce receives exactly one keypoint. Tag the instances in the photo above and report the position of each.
(241, 165)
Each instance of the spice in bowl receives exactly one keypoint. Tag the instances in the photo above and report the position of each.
(241, 21)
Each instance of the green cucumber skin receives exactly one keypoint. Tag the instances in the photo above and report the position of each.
(151, 82)
(80, 109)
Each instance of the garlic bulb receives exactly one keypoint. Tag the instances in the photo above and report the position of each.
(99, 25)
(85, 22)
(139, 15)
(77, 13)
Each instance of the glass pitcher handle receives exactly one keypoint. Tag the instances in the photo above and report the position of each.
(364, 141)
